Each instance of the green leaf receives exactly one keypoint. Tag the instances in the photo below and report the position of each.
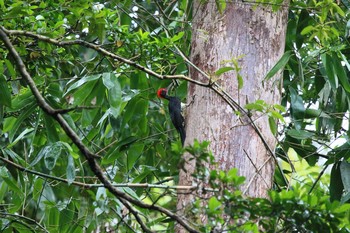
(51, 153)
(214, 204)
(178, 36)
(279, 65)
(273, 125)
(85, 93)
(82, 81)
(276, 115)
(340, 72)
(70, 170)
(20, 137)
(307, 30)
(297, 106)
(299, 134)
(345, 175)
(336, 185)
(50, 127)
(329, 68)
(115, 152)
(313, 113)
(12, 185)
(255, 107)
(10, 69)
(223, 70)
(22, 100)
(221, 5)
(279, 107)
(240, 81)
(5, 92)
(111, 82)
(25, 113)
(134, 153)
(67, 218)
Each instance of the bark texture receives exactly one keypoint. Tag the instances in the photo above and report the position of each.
(257, 35)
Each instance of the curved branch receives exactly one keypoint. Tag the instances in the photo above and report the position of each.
(26, 219)
(89, 156)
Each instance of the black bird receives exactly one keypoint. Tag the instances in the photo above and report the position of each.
(175, 112)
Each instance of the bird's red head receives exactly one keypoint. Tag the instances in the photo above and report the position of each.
(161, 93)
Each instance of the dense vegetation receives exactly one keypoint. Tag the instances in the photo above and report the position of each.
(97, 67)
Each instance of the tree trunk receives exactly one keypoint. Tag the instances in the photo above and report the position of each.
(255, 35)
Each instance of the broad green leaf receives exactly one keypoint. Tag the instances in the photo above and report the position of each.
(273, 125)
(276, 115)
(131, 192)
(51, 128)
(25, 114)
(307, 30)
(329, 68)
(240, 81)
(20, 137)
(23, 99)
(214, 204)
(82, 81)
(340, 72)
(84, 93)
(67, 218)
(115, 152)
(12, 185)
(51, 154)
(255, 107)
(223, 70)
(297, 106)
(279, 65)
(133, 154)
(313, 113)
(232, 174)
(147, 170)
(129, 110)
(70, 170)
(178, 36)
(221, 5)
(37, 190)
(345, 175)
(53, 218)
(5, 92)
(111, 82)
(336, 185)
(279, 107)
(300, 134)
(10, 68)
(338, 9)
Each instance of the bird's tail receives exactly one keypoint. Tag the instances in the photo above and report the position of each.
(182, 133)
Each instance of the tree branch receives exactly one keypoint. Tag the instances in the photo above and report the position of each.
(90, 157)
(119, 185)
(25, 218)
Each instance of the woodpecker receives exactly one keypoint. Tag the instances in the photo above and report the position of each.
(175, 112)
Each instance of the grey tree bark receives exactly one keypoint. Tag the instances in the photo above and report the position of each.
(257, 35)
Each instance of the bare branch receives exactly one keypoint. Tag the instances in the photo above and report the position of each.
(119, 185)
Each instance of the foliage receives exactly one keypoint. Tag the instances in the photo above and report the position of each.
(316, 86)
(45, 183)
(286, 211)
